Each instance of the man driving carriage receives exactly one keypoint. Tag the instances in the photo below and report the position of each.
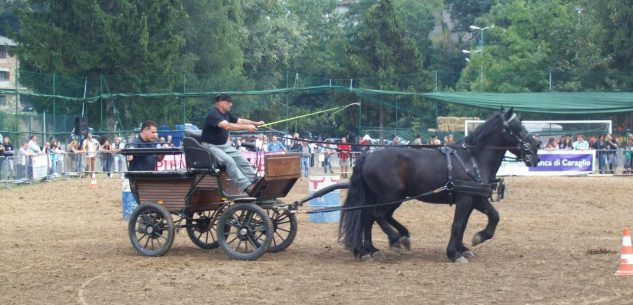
(215, 133)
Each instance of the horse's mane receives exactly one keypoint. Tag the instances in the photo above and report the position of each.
(483, 132)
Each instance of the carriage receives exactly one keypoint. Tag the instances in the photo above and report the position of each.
(210, 207)
(215, 214)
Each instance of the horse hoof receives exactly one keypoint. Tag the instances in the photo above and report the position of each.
(378, 255)
(366, 258)
(461, 260)
(477, 239)
(468, 254)
(405, 242)
(395, 245)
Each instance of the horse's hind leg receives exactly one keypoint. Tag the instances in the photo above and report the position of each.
(403, 238)
(486, 207)
(368, 248)
(392, 234)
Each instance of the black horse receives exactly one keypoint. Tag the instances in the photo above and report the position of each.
(460, 174)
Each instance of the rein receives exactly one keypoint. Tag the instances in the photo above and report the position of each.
(340, 208)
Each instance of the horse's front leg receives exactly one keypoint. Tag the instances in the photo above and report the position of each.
(463, 208)
(462, 249)
(486, 207)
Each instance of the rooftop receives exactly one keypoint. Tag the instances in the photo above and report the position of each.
(7, 42)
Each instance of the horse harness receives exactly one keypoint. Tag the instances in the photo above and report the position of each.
(474, 188)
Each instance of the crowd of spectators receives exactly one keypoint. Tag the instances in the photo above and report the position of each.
(79, 156)
(605, 145)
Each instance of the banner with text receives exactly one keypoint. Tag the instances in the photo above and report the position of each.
(553, 163)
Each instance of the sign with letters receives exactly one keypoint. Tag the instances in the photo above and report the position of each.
(553, 163)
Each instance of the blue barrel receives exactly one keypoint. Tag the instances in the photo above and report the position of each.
(129, 204)
(327, 201)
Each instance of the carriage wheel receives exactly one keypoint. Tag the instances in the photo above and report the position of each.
(245, 231)
(285, 229)
(201, 228)
(151, 229)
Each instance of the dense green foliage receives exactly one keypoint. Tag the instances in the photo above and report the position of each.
(232, 45)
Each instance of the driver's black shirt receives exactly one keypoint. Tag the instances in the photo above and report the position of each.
(213, 134)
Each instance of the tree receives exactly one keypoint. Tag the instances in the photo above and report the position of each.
(530, 39)
(464, 12)
(614, 19)
(384, 54)
(134, 39)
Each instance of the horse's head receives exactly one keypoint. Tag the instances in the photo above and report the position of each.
(520, 141)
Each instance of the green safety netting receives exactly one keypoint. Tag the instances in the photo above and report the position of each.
(544, 102)
(537, 102)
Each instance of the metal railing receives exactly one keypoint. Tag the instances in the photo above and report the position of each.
(20, 169)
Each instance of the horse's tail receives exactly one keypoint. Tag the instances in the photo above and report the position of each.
(351, 224)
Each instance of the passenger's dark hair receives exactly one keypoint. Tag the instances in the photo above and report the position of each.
(148, 124)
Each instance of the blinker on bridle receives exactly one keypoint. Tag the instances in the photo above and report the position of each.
(522, 145)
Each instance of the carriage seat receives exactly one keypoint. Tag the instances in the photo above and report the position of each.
(198, 158)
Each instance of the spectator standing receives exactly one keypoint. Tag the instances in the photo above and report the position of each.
(434, 140)
(51, 150)
(90, 147)
(75, 156)
(119, 159)
(259, 142)
(565, 143)
(61, 158)
(364, 143)
(275, 145)
(449, 140)
(344, 150)
(161, 143)
(580, 143)
(551, 144)
(417, 140)
(612, 152)
(105, 151)
(169, 143)
(33, 147)
(628, 155)
(327, 155)
(396, 141)
(7, 157)
(24, 160)
(302, 147)
(295, 144)
(600, 145)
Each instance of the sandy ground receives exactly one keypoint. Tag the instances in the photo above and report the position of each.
(558, 242)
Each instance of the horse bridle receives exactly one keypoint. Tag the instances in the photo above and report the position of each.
(525, 152)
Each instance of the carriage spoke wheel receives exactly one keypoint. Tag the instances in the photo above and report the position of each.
(284, 229)
(202, 230)
(245, 231)
(151, 229)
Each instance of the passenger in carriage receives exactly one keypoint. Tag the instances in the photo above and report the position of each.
(146, 139)
(217, 124)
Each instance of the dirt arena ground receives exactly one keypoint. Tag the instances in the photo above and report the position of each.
(558, 242)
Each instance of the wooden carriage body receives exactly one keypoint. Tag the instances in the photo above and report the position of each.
(204, 186)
